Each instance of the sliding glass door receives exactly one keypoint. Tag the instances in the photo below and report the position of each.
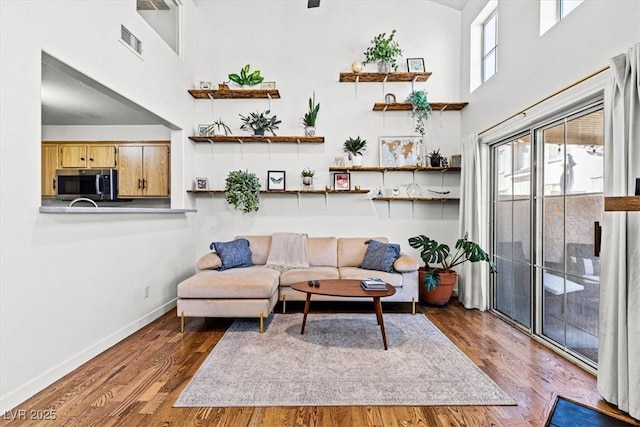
(548, 201)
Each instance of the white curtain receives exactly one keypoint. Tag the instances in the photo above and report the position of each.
(619, 331)
(473, 278)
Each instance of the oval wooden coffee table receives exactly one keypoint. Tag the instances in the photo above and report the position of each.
(345, 288)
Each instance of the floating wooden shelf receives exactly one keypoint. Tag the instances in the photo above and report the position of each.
(235, 94)
(391, 169)
(361, 191)
(406, 106)
(259, 139)
(419, 199)
(384, 77)
(622, 204)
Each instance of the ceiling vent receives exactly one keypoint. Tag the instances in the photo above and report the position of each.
(130, 40)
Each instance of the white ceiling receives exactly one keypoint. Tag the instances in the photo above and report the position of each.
(456, 4)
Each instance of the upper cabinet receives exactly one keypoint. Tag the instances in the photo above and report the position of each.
(143, 171)
(87, 156)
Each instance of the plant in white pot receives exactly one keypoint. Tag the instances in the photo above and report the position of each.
(307, 176)
(310, 117)
(355, 147)
(437, 283)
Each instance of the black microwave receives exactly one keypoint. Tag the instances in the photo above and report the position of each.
(94, 184)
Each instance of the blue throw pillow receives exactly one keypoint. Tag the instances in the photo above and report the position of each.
(235, 253)
(380, 256)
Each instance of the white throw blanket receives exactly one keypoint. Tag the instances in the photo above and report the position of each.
(288, 251)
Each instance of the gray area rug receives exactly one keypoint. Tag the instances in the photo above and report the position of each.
(339, 361)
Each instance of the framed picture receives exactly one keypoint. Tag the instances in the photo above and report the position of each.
(276, 180)
(203, 130)
(456, 161)
(202, 183)
(415, 65)
(390, 98)
(399, 151)
(342, 181)
(339, 162)
(205, 85)
(268, 85)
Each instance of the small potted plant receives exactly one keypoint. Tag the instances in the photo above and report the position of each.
(246, 78)
(310, 117)
(435, 158)
(307, 176)
(242, 190)
(383, 50)
(355, 147)
(437, 283)
(420, 108)
(218, 127)
(260, 122)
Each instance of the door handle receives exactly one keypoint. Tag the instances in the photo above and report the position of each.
(54, 183)
(91, 159)
(139, 183)
(144, 183)
(597, 238)
(82, 158)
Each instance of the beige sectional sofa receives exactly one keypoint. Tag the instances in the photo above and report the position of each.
(254, 291)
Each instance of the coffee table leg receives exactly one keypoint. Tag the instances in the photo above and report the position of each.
(378, 305)
(306, 311)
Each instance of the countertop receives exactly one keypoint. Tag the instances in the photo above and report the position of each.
(102, 210)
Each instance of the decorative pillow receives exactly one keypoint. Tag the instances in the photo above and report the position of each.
(380, 256)
(235, 253)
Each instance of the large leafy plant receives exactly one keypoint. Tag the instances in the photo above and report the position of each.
(242, 190)
(245, 78)
(433, 252)
(354, 146)
(260, 122)
(383, 49)
(420, 108)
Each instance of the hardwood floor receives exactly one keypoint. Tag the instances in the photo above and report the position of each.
(136, 382)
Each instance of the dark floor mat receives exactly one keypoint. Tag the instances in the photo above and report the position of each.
(569, 414)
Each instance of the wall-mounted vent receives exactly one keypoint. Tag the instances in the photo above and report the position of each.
(130, 40)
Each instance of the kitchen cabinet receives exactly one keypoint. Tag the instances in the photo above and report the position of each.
(143, 171)
(49, 158)
(88, 156)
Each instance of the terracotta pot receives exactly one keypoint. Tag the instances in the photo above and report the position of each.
(441, 295)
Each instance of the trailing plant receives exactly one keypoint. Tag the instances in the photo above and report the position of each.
(435, 158)
(260, 122)
(383, 49)
(308, 172)
(420, 108)
(242, 190)
(245, 78)
(354, 146)
(433, 252)
(310, 117)
(218, 125)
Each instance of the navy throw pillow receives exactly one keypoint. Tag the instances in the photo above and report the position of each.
(380, 256)
(235, 253)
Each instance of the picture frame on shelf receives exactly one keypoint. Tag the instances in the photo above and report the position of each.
(201, 183)
(415, 65)
(342, 181)
(276, 180)
(444, 162)
(400, 151)
(390, 98)
(456, 161)
(268, 85)
(339, 162)
(204, 130)
(205, 85)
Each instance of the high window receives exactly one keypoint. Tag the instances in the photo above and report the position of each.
(554, 11)
(164, 17)
(490, 47)
(565, 7)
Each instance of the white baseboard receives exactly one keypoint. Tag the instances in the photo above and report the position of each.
(15, 397)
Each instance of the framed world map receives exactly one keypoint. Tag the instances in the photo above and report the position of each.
(398, 151)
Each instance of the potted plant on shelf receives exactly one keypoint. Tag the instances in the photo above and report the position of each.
(242, 190)
(218, 127)
(383, 50)
(354, 147)
(436, 283)
(307, 176)
(260, 122)
(435, 158)
(420, 108)
(310, 117)
(245, 78)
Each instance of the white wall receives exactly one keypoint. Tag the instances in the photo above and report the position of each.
(304, 50)
(532, 67)
(72, 285)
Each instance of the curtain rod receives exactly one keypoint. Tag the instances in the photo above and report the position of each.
(524, 111)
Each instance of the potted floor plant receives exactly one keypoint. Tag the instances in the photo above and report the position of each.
(310, 117)
(437, 283)
(260, 123)
(420, 108)
(242, 190)
(355, 147)
(383, 50)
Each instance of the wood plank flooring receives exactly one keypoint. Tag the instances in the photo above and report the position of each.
(136, 382)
